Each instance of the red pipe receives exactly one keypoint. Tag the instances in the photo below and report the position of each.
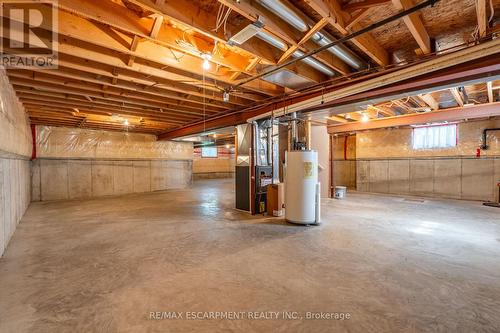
(33, 135)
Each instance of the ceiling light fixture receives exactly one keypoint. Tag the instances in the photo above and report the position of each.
(247, 32)
(225, 96)
(365, 118)
(126, 123)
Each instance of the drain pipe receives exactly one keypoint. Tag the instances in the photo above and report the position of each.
(485, 146)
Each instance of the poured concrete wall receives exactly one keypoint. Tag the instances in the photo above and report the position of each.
(387, 163)
(320, 143)
(222, 166)
(344, 161)
(15, 150)
(78, 163)
(458, 178)
(14, 196)
(60, 179)
(208, 168)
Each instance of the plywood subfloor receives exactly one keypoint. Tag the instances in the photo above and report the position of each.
(395, 265)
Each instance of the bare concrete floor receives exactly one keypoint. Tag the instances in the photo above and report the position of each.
(103, 265)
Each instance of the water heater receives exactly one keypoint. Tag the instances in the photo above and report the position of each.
(302, 199)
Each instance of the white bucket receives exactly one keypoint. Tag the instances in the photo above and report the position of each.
(340, 192)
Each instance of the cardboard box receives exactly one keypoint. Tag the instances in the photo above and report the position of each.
(275, 199)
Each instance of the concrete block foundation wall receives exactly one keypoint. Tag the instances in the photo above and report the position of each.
(59, 179)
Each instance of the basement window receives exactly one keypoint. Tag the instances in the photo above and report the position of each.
(209, 152)
(434, 137)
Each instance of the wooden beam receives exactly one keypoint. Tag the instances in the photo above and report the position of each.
(361, 14)
(187, 14)
(402, 105)
(475, 63)
(126, 24)
(183, 13)
(452, 114)
(111, 95)
(351, 7)
(415, 25)
(317, 27)
(332, 10)
(482, 19)
(384, 111)
(104, 51)
(429, 100)
(457, 96)
(75, 68)
(133, 47)
(251, 66)
(281, 30)
(124, 90)
(35, 105)
(337, 119)
(489, 87)
(45, 98)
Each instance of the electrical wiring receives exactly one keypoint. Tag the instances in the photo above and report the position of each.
(222, 17)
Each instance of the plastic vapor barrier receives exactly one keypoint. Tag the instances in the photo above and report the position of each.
(62, 142)
(15, 132)
(395, 143)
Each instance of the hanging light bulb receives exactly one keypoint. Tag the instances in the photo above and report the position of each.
(365, 117)
(206, 64)
(125, 122)
(225, 96)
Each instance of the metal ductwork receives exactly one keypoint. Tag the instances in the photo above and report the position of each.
(283, 47)
(289, 16)
(314, 63)
(272, 40)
